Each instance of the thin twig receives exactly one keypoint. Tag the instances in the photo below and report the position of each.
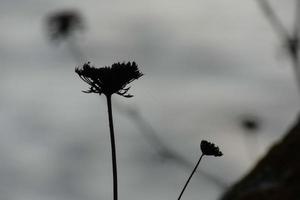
(274, 20)
(76, 51)
(291, 40)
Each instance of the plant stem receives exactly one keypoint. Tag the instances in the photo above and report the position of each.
(113, 148)
(187, 182)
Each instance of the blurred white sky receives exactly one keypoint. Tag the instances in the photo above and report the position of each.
(205, 63)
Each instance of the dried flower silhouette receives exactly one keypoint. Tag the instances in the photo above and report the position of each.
(109, 81)
(62, 24)
(208, 149)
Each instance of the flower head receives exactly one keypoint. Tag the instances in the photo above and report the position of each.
(62, 24)
(210, 149)
(109, 80)
(250, 123)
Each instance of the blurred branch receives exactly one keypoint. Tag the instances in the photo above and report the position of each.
(272, 17)
(76, 51)
(294, 47)
(290, 40)
(297, 19)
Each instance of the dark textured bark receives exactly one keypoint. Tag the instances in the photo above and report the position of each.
(276, 176)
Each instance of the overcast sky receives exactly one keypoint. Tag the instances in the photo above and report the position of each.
(206, 63)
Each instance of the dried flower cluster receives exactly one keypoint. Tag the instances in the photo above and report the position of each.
(209, 149)
(109, 80)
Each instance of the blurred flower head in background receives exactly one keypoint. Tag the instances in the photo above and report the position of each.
(63, 24)
(250, 123)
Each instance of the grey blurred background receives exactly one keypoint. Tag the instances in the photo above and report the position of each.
(209, 66)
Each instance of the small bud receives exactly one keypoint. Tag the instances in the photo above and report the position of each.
(209, 149)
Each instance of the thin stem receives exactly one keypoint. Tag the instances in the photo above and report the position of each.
(113, 148)
(76, 51)
(295, 56)
(296, 68)
(187, 182)
(273, 18)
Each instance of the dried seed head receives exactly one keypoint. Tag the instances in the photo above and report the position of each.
(209, 149)
(109, 80)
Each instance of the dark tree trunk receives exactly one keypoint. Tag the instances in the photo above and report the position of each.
(276, 176)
